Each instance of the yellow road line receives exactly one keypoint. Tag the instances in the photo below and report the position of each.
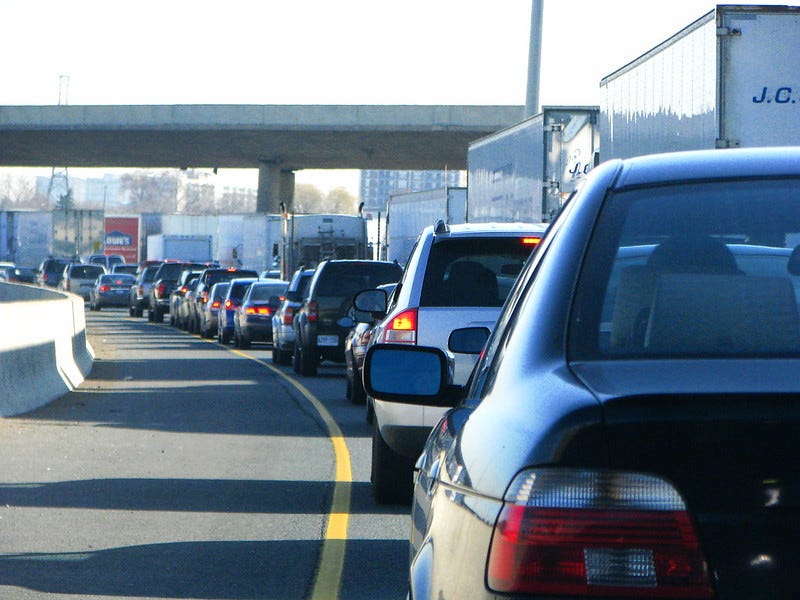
(329, 570)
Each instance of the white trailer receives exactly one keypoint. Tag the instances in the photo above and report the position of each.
(729, 79)
(261, 249)
(26, 237)
(307, 240)
(409, 213)
(195, 248)
(525, 172)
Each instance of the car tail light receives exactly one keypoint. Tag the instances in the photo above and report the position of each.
(160, 289)
(203, 296)
(230, 304)
(593, 533)
(104, 288)
(215, 304)
(531, 240)
(183, 290)
(288, 315)
(313, 311)
(402, 329)
(257, 310)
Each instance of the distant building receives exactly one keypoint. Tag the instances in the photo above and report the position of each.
(377, 185)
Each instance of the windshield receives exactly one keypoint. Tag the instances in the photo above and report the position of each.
(710, 269)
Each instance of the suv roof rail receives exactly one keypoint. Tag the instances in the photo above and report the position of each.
(441, 227)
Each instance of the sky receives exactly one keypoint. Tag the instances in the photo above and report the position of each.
(457, 52)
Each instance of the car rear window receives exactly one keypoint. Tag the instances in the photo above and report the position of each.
(212, 277)
(710, 269)
(262, 292)
(472, 272)
(343, 280)
(86, 271)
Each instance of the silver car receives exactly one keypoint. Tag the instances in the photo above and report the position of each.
(282, 319)
(80, 278)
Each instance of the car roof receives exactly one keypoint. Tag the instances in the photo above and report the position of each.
(706, 164)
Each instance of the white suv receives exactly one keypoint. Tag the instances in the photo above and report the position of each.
(456, 276)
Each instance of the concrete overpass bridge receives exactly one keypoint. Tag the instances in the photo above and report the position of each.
(276, 139)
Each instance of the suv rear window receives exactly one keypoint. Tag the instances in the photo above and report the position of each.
(343, 280)
(212, 277)
(472, 272)
(86, 271)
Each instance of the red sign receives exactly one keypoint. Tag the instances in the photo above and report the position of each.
(122, 237)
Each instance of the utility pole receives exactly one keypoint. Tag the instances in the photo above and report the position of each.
(59, 176)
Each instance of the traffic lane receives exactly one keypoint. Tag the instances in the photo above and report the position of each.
(176, 470)
(376, 560)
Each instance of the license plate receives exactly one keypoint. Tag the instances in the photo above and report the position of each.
(327, 340)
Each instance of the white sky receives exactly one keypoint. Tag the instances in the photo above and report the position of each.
(321, 52)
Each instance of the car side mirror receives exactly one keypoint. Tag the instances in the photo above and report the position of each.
(468, 340)
(373, 302)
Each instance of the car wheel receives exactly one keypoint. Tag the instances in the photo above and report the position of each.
(392, 474)
(285, 357)
(131, 311)
(358, 394)
(296, 359)
(158, 316)
(308, 362)
(138, 311)
(275, 355)
(244, 342)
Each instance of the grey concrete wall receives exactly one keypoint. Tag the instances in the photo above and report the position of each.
(44, 352)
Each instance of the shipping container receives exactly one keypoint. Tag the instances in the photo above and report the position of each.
(410, 213)
(729, 79)
(525, 172)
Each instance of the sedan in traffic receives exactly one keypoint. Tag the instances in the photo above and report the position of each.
(111, 289)
(252, 321)
(630, 428)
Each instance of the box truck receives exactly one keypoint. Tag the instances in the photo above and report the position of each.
(525, 172)
(307, 240)
(409, 213)
(26, 237)
(729, 79)
(194, 248)
(261, 249)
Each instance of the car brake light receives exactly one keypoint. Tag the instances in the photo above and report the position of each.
(160, 289)
(229, 305)
(288, 315)
(531, 241)
(313, 311)
(104, 288)
(183, 290)
(402, 329)
(257, 310)
(215, 304)
(595, 533)
(203, 296)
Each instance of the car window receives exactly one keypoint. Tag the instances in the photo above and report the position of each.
(301, 286)
(693, 270)
(342, 280)
(472, 272)
(262, 292)
(86, 271)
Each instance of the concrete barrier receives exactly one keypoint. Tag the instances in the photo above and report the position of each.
(44, 352)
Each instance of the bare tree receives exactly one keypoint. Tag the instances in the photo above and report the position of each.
(150, 192)
(18, 192)
(307, 199)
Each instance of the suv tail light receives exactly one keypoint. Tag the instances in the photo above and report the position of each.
(161, 288)
(288, 315)
(595, 533)
(215, 304)
(402, 329)
(313, 311)
(203, 296)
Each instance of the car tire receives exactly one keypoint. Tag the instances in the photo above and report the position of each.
(308, 362)
(244, 342)
(138, 311)
(158, 316)
(275, 355)
(392, 474)
(358, 394)
(296, 359)
(130, 311)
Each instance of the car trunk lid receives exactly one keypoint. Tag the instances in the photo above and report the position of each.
(725, 433)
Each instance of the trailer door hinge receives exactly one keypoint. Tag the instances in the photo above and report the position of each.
(728, 32)
(556, 127)
(720, 143)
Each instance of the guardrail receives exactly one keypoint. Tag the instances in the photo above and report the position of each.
(44, 352)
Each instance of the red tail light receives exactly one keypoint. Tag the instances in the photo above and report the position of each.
(288, 315)
(531, 241)
(183, 290)
(203, 296)
(215, 304)
(588, 533)
(258, 310)
(229, 305)
(160, 289)
(313, 311)
(104, 288)
(402, 329)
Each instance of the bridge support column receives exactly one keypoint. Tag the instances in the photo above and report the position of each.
(274, 187)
